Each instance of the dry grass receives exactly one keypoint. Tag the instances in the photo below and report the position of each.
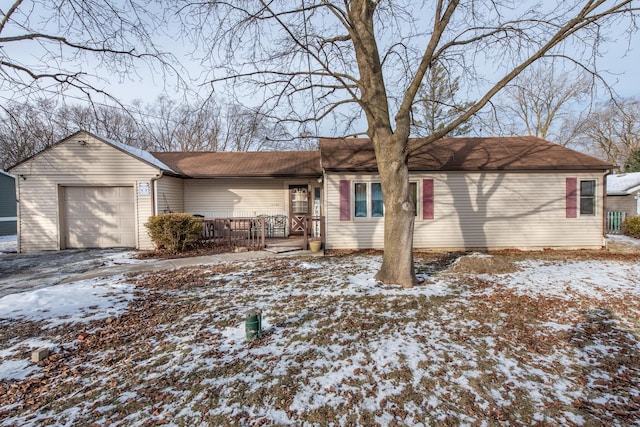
(475, 353)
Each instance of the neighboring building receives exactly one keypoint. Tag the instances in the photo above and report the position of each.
(623, 193)
(8, 214)
(87, 191)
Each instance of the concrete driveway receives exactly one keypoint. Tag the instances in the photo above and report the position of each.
(21, 272)
(26, 272)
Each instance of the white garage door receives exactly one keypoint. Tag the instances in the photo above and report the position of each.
(99, 217)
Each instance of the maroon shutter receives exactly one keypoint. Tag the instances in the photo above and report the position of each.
(345, 200)
(571, 200)
(427, 199)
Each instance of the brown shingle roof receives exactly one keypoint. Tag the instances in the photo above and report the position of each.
(239, 164)
(463, 154)
(356, 155)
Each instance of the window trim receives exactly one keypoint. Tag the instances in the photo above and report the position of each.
(592, 198)
(356, 201)
(369, 199)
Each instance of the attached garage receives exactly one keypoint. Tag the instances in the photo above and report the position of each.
(99, 217)
(87, 192)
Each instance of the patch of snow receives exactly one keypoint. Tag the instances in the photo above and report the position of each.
(82, 301)
(8, 243)
(16, 369)
(478, 255)
(624, 239)
(15, 361)
(563, 279)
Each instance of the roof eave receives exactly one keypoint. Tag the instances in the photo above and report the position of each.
(463, 169)
(236, 176)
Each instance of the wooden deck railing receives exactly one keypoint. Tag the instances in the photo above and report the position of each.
(235, 231)
(254, 231)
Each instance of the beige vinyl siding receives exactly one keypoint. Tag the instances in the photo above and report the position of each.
(235, 197)
(169, 195)
(38, 214)
(480, 210)
(72, 163)
(628, 204)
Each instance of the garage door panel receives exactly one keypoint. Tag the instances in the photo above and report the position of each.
(99, 217)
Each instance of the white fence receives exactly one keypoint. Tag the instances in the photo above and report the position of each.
(614, 222)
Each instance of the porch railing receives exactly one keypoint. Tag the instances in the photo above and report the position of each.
(254, 231)
(248, 232)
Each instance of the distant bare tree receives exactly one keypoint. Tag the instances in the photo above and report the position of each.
(175, 126)
(612, 131)
(26, 129)
(106, 121)
(248, 129)
(541, 102)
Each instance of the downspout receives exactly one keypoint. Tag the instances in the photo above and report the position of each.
(18, 216)
(604, 206)
(154, 190)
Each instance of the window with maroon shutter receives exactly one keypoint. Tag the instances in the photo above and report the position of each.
(427, 199)
(571, 198)
(345, 200)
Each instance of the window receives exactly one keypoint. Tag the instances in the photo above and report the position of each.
(588, 197)
(413, 192)
(367, 200)
(360, 200)
(377, 206)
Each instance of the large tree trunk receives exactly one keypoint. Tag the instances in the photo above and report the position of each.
(390, 148)
(399, 214)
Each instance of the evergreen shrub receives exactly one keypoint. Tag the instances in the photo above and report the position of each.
(174, 232)
(631, 227)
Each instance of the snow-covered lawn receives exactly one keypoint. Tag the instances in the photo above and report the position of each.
(544, 339)
(8, 243)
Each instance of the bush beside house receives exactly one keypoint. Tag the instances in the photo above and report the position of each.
(631, 227)
(174, 232)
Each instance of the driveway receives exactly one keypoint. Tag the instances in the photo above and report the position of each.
(27, 272)
(21, 272)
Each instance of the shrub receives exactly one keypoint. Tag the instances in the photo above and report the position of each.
(174, 232)
(631, 226)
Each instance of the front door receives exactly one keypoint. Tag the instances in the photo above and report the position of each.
(298, 208)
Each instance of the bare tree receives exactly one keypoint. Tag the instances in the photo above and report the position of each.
(612, 131)
(46, 46)
(309, 59)
(106, 121)
(181, 126)
(541, 102)
(248, 129)
(26, 129)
